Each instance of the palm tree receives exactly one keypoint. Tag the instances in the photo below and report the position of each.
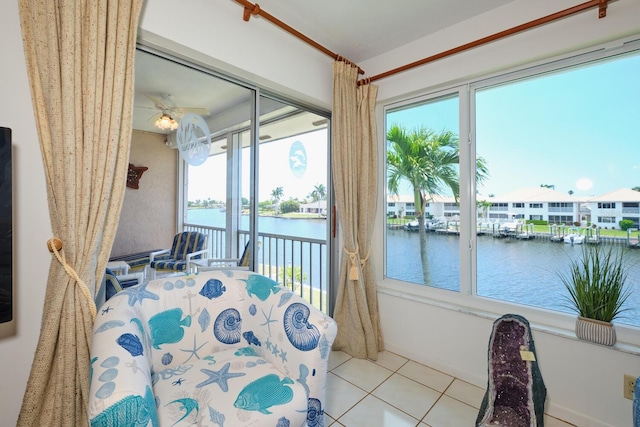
(276, 195)
(320, 192)
(429, 161)
(484, 205)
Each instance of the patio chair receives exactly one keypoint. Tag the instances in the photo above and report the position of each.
(209, 264)
(187, 246)
(114, 283)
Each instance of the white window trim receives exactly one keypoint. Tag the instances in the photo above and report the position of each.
(465, 301)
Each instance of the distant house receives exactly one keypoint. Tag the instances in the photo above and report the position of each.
(319, 207)
(400, 206)
(403, 205)
(608, 209)
(535, 203)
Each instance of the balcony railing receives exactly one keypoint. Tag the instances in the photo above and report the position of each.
(298, 263)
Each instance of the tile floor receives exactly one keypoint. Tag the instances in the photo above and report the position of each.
(397, 392)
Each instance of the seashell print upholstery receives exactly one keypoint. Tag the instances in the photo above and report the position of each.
(223, 347)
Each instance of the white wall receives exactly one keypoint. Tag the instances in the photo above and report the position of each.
(31, 228)
(257, 51)
(148, 217)
(216, 28)
(584, 381)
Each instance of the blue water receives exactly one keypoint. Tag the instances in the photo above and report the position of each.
(310, 229)
(520, 271)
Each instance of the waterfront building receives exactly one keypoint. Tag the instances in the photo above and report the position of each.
(319, 207)
(608, 209)
(534, 203)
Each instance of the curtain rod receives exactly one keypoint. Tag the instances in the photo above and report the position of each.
(254, 9)
(602, 12)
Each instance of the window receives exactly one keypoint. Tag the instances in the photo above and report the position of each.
(606, 205)
(544, 141)
(267, 162)
(423, 136)
(560, 207)
(607, 219)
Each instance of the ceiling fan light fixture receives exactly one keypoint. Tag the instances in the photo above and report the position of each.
(166, 122)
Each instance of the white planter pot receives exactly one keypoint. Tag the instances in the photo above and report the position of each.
(595, 331)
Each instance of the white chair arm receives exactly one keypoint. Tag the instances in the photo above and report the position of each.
(194, 254)
(139, 276)
(212, 261)
(153, 255)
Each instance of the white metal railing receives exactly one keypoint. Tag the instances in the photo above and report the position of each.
(299, 263)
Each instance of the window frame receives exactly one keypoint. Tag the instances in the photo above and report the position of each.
(466, 300)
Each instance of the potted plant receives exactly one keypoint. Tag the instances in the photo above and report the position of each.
(597, 292)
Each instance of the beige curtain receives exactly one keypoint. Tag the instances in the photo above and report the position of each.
(79, 56)
(354, 159)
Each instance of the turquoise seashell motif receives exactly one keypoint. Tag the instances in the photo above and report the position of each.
(302, 335)
(212, 289)
(216, 417)
(204, 319)
(324, 346)
(284, 298)
(110, 324)
(131, 343)
(227, 326)
(246, 351)
(106, 390)
(261, 286)
(264, 393)
(167, 358)
(167, 327)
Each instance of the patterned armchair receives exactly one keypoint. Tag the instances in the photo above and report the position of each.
(227, 347)
(187, 246)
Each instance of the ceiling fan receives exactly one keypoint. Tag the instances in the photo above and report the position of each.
(168, 111)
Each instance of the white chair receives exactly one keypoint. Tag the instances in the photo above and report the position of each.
(187, 246)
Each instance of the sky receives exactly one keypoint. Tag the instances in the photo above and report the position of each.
(277, 169)
(574, 130)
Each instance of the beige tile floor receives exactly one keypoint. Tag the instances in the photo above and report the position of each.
(397, 392)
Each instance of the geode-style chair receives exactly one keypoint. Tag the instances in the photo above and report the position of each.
(226, 347)
(516, 393)
(187, 246)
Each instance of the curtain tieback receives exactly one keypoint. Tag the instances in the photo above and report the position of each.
(55, 247)
(353, 257)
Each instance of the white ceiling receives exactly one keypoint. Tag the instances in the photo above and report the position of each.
(362, 29)
(355, 29)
